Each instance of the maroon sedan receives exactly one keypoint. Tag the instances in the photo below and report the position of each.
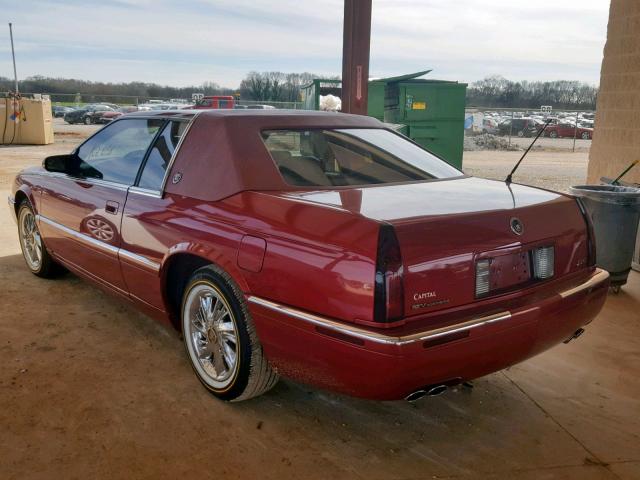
(322, 247)
(568, 130)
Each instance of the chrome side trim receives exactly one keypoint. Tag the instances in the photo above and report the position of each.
(146, 192)
(599, 277)
(176, 151)
(101, 183)
(102, 246)
(376, 337)
(92, 181)
(139, 259)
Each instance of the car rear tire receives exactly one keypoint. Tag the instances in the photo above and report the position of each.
(87, 120)
(585, 135)
(220, 338)
(521, 133)
(35, 254)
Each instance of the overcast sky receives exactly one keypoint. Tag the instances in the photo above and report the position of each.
(192, 41)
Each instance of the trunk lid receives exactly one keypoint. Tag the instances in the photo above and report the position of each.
(445, 227)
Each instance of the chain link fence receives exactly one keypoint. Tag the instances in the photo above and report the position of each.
(514, 129)
(80, 99)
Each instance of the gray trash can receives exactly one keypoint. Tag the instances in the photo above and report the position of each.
(636, 256)
(615, 212)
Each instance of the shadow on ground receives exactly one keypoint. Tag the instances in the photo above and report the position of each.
(91, 388)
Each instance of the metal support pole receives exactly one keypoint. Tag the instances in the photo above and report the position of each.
(510, 128)
(355, 56)
(13, 55)
(575, 132)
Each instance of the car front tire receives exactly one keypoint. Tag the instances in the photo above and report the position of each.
(220, 338)
(87, 120)
(553, 134)
(585, 136)
(35, 254)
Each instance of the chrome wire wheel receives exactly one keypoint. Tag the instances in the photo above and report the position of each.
(30, 239)
(211, 335)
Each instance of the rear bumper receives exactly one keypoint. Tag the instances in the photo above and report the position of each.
(370, 363)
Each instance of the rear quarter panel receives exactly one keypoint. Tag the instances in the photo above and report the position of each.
(317, 258)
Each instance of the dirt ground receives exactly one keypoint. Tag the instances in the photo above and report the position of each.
(90, 388)
(547, 169)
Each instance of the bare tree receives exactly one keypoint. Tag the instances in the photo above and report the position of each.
(497, 91)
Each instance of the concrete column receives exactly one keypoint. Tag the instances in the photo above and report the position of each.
(616, 140)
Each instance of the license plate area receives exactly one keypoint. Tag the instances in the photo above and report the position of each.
(510, 270)
(498, 272)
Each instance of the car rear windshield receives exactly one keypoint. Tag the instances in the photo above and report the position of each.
(340, 157)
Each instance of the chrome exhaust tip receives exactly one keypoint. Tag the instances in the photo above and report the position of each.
(431, 391)
(575, 335)
(437, 390)
(417, 395)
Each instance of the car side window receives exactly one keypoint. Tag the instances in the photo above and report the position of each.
(158, 160)
(115, 153)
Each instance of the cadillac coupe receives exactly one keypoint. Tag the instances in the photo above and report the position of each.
(322, 247)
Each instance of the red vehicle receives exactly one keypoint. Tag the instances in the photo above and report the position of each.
(107, 117)
(319, 246)
(562, 130)
(215, 101)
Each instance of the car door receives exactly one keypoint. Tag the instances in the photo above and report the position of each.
(566, 130)
(145, 236)
(81, 209)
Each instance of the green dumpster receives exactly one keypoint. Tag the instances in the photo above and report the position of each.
(311, 93)
(430, 111)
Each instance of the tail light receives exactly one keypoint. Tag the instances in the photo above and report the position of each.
(591, 236)
(388, 304)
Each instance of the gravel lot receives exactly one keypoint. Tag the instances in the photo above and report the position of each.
(553, 144)
(553, 170)
(90, 388)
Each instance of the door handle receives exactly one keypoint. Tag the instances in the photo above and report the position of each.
(112, 207)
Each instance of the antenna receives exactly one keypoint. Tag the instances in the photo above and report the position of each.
(508, 179)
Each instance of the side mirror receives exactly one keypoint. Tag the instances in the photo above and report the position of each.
(60, 163)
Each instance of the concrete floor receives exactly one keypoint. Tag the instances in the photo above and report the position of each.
(89, 388)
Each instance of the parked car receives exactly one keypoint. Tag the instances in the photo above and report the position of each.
(563, 129)
(107, 117)
(59, 111)
(489, 125)
(520, 127)
(215, 102)
(88, 114)
(113, 106)
(325, 248)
